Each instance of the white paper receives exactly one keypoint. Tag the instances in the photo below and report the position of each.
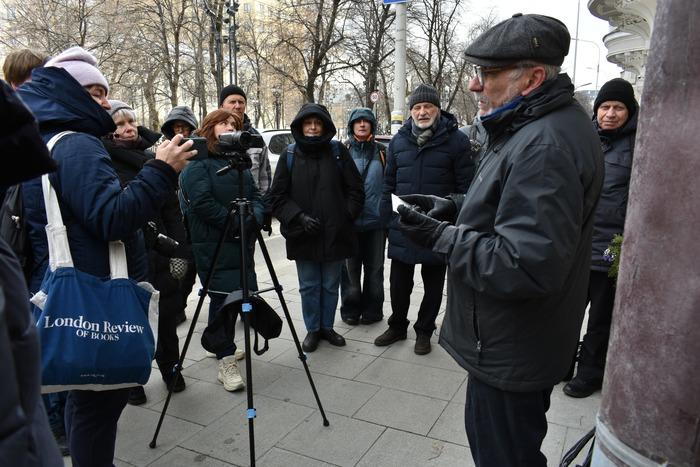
(396, 202)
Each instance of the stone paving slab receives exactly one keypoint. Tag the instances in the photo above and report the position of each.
(409, 377)
(400, 449)
(342, 443)
(276, 457)
(179, 457)
(227, 438)
(337, 395)
(402, 410)
(450, 425)
(329, 360)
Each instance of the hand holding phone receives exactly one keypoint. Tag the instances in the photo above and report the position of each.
(200, 144)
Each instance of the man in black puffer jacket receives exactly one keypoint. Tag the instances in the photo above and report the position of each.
(316, 194)
(429, 156)
(615, 118)
(519, 250)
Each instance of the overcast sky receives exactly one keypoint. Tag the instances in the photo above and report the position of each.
(590, 28)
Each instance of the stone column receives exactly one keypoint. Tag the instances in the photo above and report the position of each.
(650, 413)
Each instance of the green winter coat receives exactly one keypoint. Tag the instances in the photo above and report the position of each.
(204, 199)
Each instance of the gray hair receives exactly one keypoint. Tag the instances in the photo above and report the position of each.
(550, 71)
(124, 112)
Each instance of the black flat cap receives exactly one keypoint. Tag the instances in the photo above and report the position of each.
(523, 37)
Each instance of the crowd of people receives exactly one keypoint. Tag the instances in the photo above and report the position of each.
(514, 213)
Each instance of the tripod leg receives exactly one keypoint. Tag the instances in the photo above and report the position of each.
(205, 290)
(302, 355)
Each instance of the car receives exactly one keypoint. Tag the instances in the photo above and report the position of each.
(276, 142)
(384, 139)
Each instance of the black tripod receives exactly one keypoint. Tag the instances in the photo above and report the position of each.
(241, 206)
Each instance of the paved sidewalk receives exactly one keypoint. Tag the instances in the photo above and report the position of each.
(386, 405)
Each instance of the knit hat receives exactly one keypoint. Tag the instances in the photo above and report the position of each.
(229, 90)
(81, 65)
(117, 106)
(424, 93)
(538, 38)
(616, 90)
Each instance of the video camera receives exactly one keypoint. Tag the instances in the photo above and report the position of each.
(233, 145)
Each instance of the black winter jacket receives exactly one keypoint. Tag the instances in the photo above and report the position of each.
(319, 185)
(618, 148)
(443, 165)
(519, 253)
(128, 162)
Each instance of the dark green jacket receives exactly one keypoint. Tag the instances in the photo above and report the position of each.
(204, 199)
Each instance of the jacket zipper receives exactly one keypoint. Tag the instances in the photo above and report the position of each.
(477, 333)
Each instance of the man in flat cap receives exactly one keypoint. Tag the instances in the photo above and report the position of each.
(518, 253)
(430, 156)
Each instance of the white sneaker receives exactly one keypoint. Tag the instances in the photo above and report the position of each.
(209, 354)
(239, 354)
(229, 374)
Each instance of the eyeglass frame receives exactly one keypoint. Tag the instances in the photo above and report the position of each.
(479, 71)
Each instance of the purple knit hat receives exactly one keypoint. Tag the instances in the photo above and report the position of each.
(81, 65)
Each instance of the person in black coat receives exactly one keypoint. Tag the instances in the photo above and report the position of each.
(316, 194)
(25, 435)
(428, 156)
(128, 148)
(615, 118)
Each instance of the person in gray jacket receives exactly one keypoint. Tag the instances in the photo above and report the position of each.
(363, 300)
(519, 251)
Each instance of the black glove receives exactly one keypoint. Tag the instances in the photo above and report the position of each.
(311, 224)
(267, 223)
(443, 209)
(419, 228)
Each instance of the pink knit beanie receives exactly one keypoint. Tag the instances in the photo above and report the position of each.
(81, 65)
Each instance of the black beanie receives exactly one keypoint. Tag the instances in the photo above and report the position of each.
(616, 90)
(424, 93)
(229, 90)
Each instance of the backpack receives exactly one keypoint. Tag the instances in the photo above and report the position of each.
(13, 228)
(335, 146)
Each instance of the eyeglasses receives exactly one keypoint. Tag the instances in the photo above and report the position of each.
(481, 72)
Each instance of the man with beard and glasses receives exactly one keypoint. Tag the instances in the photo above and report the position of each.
(429, 156)
(518, 253)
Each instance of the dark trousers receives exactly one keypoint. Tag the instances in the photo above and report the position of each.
(505, 429)
(364, 297)
(167, 347)
(91, 425)
(601, 294)
(215, 302)
(401, 286)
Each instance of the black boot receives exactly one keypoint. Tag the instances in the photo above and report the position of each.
(311, 342)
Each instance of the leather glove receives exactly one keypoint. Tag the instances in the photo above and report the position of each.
(419, 228)
(311, 224)
(178, 268)
(443, 209)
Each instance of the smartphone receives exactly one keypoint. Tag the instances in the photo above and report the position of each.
(200, 144)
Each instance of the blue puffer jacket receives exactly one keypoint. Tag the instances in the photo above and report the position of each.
(367, 159)
(94, 206)
(443, 165)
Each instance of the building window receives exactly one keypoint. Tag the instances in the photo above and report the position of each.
(246, 7)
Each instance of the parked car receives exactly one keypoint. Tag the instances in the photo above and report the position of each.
(276, 142)
(384, 139)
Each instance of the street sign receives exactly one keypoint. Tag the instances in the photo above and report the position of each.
(374, 96)
(387, 2)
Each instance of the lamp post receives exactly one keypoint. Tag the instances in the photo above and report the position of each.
(597, 69)
(217, 47)
(276, 94)
(231, 10)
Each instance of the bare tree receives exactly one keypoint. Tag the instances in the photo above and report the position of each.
(307, 33)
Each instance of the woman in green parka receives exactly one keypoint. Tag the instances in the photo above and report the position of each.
(204, 198)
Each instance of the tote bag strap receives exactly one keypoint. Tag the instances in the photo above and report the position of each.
(57, 236)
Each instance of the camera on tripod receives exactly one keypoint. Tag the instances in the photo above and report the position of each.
(233, 145)
(162, 244)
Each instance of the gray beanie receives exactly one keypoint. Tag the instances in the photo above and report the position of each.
(424, 93)
(117, 106)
